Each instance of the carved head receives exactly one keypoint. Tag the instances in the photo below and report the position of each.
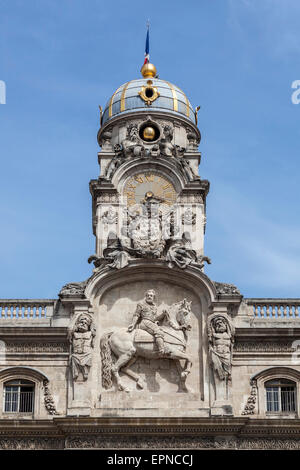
(83, 323)
(150, 296)
(132, 132)
(219, 325)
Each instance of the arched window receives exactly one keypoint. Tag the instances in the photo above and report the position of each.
(280, 396)
(18, 396)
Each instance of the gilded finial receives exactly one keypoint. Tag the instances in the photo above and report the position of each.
(148, 70)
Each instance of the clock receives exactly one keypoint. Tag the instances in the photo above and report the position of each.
(138, 185)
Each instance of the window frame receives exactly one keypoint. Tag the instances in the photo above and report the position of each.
(31, 375)
(279, 386)
(276, 373)
(17, 383)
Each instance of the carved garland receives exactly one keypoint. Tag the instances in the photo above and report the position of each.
(251, 401)
(48, 399)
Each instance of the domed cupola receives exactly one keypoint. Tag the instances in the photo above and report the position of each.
(148, 94)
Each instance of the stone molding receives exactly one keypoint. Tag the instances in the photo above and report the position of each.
(264, 346)
(156, 115)
(26, 347)
(85, 433)
(189, 277)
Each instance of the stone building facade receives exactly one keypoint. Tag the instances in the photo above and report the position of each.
(149, 352)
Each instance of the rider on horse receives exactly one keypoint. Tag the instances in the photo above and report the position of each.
(146, 317)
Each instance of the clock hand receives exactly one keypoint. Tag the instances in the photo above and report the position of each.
(150, 195)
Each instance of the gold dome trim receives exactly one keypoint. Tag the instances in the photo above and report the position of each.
(150, 99)
(186, 102)
(174, 94)
(111, 101)
(122, 107)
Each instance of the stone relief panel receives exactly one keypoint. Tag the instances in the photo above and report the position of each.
(153, 334)
(150, 341)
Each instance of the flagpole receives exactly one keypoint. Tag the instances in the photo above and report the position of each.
(147, 47)
(148, 70)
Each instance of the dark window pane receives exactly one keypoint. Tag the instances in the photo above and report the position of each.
(11, 388)
(26, 402)
(27, 389)
(288, 399)
(11, 401)
(272, 399)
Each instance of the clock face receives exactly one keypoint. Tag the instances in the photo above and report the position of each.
(137, 186)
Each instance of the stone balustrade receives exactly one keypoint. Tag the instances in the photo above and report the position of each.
(275, 309)
(26, 309)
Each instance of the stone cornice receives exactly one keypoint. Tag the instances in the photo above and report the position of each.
(150, 433)
(240, 426)
(270, 334)
(155, 114)
(36, 333)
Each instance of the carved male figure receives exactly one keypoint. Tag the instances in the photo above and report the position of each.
(82, 342)
(221, 339)
(147, 317)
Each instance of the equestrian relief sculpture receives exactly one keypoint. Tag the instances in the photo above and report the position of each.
(153, 334)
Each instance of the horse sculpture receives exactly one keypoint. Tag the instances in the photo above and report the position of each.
(127, 346)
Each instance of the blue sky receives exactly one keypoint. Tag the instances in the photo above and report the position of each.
(235, 58)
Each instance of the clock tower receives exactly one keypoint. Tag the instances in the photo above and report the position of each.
(152, 310)
(149, 151)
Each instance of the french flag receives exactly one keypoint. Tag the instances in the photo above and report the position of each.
(147, 56)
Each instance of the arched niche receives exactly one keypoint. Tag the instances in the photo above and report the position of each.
(114, 296)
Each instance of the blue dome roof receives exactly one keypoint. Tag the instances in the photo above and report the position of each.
(127, 99)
